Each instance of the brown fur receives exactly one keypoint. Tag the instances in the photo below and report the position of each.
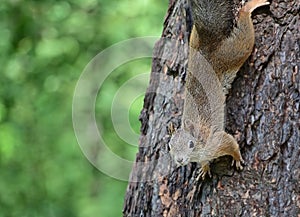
(214, 58)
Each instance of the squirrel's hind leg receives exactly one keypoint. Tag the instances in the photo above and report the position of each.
(250, 6)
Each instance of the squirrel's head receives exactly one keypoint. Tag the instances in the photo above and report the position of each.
(182, 144)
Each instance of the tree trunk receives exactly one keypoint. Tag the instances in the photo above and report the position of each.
(262, 112)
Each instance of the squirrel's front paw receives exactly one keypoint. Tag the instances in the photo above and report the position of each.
(203, 171)
(238, 164)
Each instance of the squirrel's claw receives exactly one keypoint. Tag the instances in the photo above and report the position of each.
(238, 164)
(203, 171)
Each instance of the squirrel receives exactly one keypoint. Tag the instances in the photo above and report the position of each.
(217, 51)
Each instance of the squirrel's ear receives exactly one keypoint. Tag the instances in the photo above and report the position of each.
(188, 124)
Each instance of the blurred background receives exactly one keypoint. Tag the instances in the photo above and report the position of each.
(44, 48)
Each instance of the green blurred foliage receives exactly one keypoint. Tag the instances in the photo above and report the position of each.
(44, 47)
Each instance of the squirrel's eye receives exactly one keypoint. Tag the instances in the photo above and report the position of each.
(191, 144)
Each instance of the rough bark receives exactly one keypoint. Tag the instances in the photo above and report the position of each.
(262, 112)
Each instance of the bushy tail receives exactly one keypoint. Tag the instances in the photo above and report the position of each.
(213, 19)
